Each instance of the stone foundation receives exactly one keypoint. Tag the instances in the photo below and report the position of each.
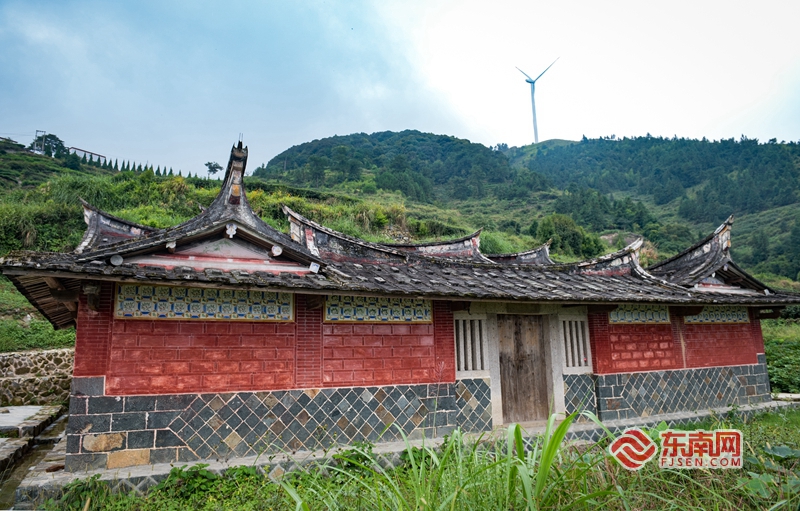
(116, 431)
(631, 395)
(35, 377)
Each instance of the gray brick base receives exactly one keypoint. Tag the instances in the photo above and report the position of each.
(579, 393)
(106, 431)
(631, 395)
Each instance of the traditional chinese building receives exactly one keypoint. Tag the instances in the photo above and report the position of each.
(225, 337)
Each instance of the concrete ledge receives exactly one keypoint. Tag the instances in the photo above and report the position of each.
(590, 431)
(22, 421)
(39, 485)
(12, 450)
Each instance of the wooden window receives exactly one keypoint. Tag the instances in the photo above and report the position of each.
(575, 345)
(472, 360)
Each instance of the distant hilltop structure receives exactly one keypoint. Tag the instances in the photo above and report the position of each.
(83, 152)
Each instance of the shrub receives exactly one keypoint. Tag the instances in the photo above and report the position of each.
(782, 347)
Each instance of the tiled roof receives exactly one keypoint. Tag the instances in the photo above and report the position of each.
(103, 229)
(707, 259)
(347, 265)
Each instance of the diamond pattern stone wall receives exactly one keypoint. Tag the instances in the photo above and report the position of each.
(631, 395)
(188, 427)
(579, 393)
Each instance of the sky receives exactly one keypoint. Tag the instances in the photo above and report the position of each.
(176, 83)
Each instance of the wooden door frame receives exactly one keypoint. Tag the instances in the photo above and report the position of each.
(554, 378)
(553, 355)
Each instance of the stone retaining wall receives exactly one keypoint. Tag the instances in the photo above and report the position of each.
(35, 377)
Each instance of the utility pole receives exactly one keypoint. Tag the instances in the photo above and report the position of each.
(41, 141)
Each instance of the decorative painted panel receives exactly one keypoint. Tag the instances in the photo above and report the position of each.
(720, 314)
(166, 302)
(377, 310)
(640, 313)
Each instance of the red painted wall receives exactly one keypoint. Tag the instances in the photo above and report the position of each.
(160, 356)
(92, 335)
(758, 337)
(618, 348)
(719, 345)
(369, 354)
(376, 354)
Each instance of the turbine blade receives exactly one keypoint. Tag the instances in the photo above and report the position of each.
(548, 67)
(523, 72)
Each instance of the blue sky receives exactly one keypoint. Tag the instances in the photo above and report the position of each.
(174, 83)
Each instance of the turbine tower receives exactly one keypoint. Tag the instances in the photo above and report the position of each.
(532, 81)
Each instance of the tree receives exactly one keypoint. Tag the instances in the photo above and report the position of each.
(71, 161)
(476, 181)
(50, 144)
(346, 168)
(213, 167)
(316, 171)
(759, 243)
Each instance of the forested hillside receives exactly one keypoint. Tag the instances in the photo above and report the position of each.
(409, 161)
(669, 190)
(696, 182)
(709, 178)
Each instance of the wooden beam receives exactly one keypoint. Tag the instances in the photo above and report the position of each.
(769, 313)
(605, 308)
(61, 294)
(683, 311)
(64, 295)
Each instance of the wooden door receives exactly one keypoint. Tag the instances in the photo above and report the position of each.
(523, 370)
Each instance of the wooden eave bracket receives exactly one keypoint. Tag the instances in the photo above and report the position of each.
(92, 292)
(315, 302)
(61, 294)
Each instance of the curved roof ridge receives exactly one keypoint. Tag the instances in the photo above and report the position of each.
(631, 248)
(622, 261)
(468, 237)
(539, 256)
(99, 223)
(87, 205)
(230, 205)
(707, 265)
(725, 226)
(346, 237)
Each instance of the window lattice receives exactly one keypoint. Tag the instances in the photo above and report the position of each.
(471, 349)
(577, 354)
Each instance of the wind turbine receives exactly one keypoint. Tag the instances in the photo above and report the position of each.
(532, 81)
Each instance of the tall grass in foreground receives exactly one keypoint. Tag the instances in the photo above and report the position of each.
(510, 472)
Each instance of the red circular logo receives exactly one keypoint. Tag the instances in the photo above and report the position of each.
(633, 449)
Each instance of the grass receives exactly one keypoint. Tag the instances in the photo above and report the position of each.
(782, 347)
(507, 472)
(38, 334)
(22, 328)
